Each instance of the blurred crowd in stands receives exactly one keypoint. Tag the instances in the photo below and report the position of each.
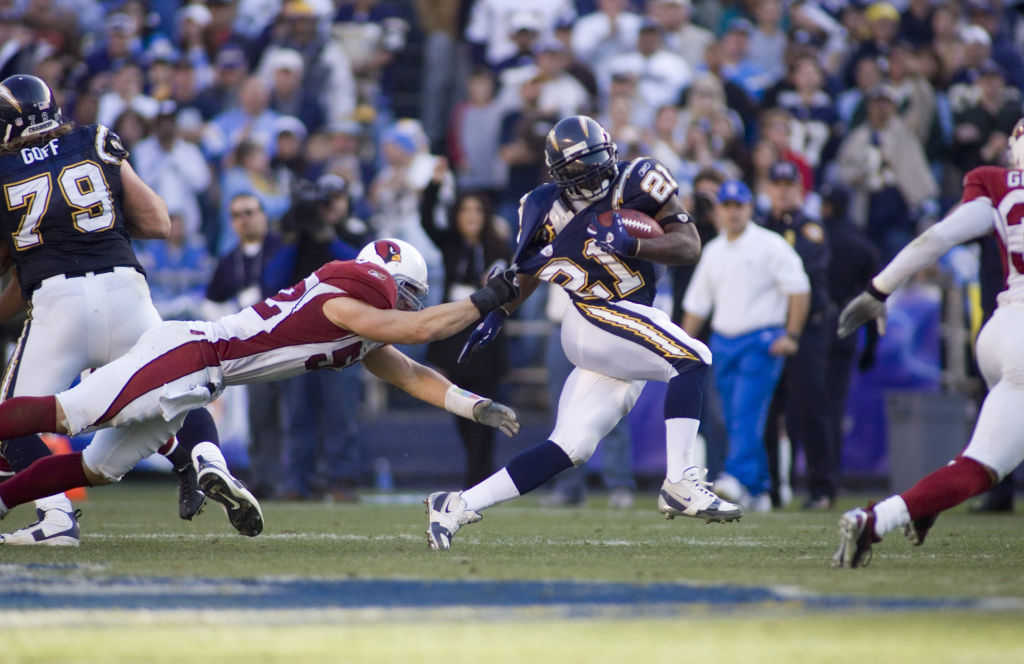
(880, 106)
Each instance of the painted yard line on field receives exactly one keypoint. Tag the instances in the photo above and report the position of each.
(33, 589)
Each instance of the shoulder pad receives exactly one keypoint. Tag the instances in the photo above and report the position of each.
(362, 280)
(108, 145)
(644, 184)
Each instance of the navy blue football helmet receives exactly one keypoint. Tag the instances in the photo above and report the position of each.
(27, 107)
(581, 158)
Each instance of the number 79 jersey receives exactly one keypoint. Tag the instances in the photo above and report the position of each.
(554, 245)
(61, 207)
(1005, 190)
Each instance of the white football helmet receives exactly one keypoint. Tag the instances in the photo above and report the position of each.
(1017, 145)
(405, 264)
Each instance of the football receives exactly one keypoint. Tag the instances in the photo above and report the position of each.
(637, 223)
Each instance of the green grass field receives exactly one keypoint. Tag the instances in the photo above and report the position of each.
(132, 531)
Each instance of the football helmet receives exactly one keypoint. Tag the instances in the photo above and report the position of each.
(1017, 145)
(405, 264)
(27, 107)
(581, 158)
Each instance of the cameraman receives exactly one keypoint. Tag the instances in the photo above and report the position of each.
(320, 407)
(712, 419)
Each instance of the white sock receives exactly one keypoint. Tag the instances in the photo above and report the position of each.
(680, 438)
(55, 502)
(497, 488)
(890, 514)
(210, 452)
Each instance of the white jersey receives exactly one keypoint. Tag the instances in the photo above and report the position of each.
(993, 201)
(288, 334)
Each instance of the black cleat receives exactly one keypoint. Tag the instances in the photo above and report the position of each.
(190, 499)
(239, 504)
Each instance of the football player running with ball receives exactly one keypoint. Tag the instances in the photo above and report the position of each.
(611, 332)
(343, 313)
(993, 202)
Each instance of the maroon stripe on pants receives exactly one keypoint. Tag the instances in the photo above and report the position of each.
(170, 366)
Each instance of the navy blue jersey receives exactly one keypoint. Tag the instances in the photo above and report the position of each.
(61, 208)
(554, 244)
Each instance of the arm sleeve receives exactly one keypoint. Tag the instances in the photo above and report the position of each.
(789, 270)
(697, 299)
(968, 221)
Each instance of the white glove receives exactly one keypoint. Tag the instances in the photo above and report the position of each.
(496, 415)
(861, 309)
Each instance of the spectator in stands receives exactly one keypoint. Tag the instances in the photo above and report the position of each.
(174, 167)
(132, 127)
(327, 67)
(815, 127)
(606, 32)
(289, 94)
(736, 97)
(474, 134)
(885, 166)
(237, 282)
(250, 120)
(776, 127)
(192, 22)
(471, 241)
(445, 65)
(322, 446)
(126, 92)
(560, 92)
(752, 287)
(768, 38)
(488, 31)
(867, 76)
(120, 44)
(661, 74)
(523, 131)
(249, 172)
(178, 270)
(738, 64)
(883, 23)
(983, 120)
(916, 22)
(681, 35)
(994, 18)
(230, 69)
(372, 35)
(524, 29)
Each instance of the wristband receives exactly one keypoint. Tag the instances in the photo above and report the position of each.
(678, 217)
(794, 337)
(874, 292)
(461, 402)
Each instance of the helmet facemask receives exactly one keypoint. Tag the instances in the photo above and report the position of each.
(589, 176)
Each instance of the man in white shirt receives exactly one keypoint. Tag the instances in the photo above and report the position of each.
(752, 285)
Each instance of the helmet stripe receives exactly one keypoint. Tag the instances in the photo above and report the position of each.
(6, 94)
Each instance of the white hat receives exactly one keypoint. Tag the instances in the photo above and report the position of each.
(975, 34)
(285, 58)
(524, 20)
(198, 13)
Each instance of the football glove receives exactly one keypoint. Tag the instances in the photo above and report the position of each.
(614, 239)
(501, 286)
(483, 334)
(869, 305)
(496, 415)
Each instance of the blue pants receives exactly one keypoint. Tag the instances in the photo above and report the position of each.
(746, 375)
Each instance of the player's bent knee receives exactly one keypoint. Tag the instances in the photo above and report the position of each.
(96, 478)
(578, 449)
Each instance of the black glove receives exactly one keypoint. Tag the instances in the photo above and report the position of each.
(502, 286)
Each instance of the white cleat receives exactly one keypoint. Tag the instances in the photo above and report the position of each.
(446, 513)
(691, 497)
(239, 504)
(54, 528)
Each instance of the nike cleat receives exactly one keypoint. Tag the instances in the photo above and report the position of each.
(691, 497)
(856, 535)
(54, 528)
(239, 504)
(446, 513)
(190, 499)
(917, 530)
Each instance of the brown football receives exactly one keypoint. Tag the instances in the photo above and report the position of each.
(637, 223)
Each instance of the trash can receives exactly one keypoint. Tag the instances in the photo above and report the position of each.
(926, 431)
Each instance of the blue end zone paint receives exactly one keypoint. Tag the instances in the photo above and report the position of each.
(24, 588)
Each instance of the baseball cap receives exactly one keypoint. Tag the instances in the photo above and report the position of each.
(784, 170)
(524, 20)
(285, 58)
(231, 58)
(291, 125)
(975, 34)
(734, 191)
(882, 92)
(880, 11)
(739, 24)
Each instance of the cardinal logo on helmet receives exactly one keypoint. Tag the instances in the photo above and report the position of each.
(388, 251)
